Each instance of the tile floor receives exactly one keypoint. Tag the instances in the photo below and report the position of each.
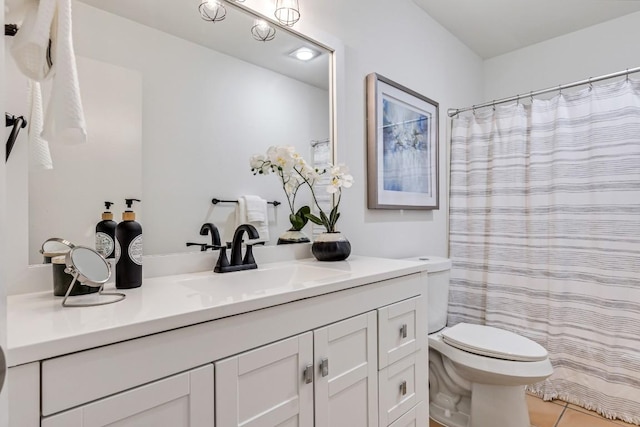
(560, 414)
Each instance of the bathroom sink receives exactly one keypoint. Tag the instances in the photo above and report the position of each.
(263, 281)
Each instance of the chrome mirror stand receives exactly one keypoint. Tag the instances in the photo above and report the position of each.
(89, 267)
(118, 295)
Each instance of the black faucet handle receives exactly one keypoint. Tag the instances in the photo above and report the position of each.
(223, 261)
(203, 246)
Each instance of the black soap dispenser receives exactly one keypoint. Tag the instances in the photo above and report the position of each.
(106, 233)
(129, 250)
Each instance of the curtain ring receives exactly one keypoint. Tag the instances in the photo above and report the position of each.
(518, 99)
(531, 95)
(627, 78)
(559, 89)
(473, 107)
(494, 105)
(590, 84)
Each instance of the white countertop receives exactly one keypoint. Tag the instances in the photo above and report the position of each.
(38, 327)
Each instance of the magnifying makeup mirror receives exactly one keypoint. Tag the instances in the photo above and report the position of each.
(55, 246)
(91, 269)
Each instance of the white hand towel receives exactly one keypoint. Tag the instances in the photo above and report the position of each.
(39, 153)
(242, 217)
(31, 43)
(256, 209)
(51, 20)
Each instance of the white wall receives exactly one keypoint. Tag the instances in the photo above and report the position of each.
(601, 49)
(399, 41)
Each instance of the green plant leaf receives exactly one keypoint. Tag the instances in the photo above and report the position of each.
(302, 213)
(297, 222)
(334, 215)
(325, 221)
(314, 219)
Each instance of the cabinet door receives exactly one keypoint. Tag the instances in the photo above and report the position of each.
(346, 373)
(267, 387)
(181, 400)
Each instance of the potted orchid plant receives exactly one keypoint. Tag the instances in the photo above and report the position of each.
(282, 161)
(294, 172)
(331, 245)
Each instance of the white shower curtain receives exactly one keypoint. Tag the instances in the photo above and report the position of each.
(545, 237)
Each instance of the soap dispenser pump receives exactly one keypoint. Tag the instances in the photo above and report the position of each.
(106, 233)
(129, 250)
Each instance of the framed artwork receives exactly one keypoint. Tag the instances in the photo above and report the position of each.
(402, 147)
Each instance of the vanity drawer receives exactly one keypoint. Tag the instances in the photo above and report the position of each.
(402, 385)
(401, 328)
(418, 416)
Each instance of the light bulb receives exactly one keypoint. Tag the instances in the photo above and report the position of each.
(212, 10)
(304, 54)
(287, 12)
(262, 31)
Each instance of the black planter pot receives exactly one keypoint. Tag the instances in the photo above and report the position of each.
(331, 247)
(292, 236)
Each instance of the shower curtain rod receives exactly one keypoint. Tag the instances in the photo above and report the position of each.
(455, 111)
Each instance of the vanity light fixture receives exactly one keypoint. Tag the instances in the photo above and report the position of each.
(212, 10)
(262, 31)
(304, 53)
(287, 12)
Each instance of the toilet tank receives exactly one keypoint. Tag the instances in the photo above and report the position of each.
(437, 283)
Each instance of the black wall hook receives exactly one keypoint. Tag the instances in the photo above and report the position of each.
(17, 123)
(10, 29)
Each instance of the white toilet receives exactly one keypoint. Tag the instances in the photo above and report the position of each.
(477, 374)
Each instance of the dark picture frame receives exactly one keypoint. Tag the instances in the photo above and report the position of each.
(402, 147)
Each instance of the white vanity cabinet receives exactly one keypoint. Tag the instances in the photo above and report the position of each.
(331, 371)
(349, 354)
(183, 400)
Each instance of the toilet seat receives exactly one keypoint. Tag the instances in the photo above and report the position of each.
(493, 342)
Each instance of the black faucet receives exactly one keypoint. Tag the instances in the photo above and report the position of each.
(238, 262)
(209, 228)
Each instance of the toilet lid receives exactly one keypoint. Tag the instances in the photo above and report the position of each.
(493, 342)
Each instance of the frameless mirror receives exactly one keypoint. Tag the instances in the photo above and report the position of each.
(90, 268)
(175, 107)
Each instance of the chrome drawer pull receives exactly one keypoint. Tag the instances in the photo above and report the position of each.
(324, 367)
(403, 388)
(403, 331)
(307, 375)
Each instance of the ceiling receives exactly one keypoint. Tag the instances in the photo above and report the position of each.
(493, 27)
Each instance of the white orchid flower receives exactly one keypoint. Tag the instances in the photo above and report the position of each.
(282, 156)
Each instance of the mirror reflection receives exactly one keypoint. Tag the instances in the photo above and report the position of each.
(175, 107)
